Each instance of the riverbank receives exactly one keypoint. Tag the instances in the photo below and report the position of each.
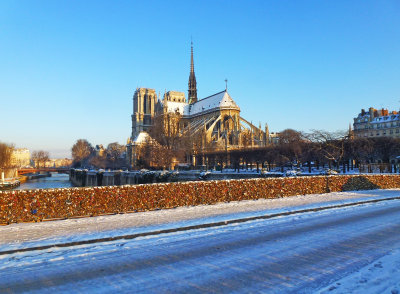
(14, 183)
(28, 177)
(9, 184)
(93, 178)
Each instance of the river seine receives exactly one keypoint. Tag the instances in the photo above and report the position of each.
(55, 181)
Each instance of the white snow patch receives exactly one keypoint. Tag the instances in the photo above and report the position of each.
(381, 276)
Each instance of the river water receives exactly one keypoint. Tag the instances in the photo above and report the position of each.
(55, 181)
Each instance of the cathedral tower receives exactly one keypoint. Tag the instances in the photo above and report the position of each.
(144, 108)
(192, 92)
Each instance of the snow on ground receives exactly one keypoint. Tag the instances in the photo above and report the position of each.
(24, 234)
(291, 243)
(313, 249)
(381, 276)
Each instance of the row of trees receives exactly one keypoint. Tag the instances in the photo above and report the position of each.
(169, 143)
(154, 155)
(338, 150)
(85, 155)
(40, 158)
(330, 149)
(322, 148)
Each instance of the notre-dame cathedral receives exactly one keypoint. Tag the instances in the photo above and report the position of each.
(216, 117)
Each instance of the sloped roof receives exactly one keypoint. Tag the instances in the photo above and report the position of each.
(216, 101)
(176, 106)
(141, 138)
(386, 118)
(219, 100)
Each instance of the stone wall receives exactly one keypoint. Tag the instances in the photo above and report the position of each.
(92, 178)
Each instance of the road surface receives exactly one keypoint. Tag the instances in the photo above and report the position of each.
(299, 253)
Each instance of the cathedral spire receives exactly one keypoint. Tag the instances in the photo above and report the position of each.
(191, 58)
(192, 92)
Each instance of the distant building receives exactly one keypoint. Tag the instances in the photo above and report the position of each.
(58, 162)
(21, 157)
(99, 149)
(377, 123)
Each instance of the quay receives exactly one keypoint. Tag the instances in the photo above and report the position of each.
(9, 184)
(87, 178)
(26, 177)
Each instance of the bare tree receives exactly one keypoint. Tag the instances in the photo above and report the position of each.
(81, 152)
(40, 158)
(155, 155)
(98, 161)
(330, 145)
(35, 158)
(6, 151)
(166, 129)
(167, 133)
(114, 154)
(291, 145)
(44, 156)
(385, 148)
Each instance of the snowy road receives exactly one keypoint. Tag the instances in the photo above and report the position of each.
(300, 253)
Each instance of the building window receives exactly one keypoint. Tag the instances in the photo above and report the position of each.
(397, 130)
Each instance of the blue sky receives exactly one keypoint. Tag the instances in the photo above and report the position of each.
(69, 68)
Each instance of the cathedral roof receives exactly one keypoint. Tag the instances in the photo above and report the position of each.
(176, 106)
(219, 100)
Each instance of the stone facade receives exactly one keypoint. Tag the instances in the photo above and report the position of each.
(21, 157)
(174, 96)
(58, 162)
(218, 116)
(145, 105)
(377, 123)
